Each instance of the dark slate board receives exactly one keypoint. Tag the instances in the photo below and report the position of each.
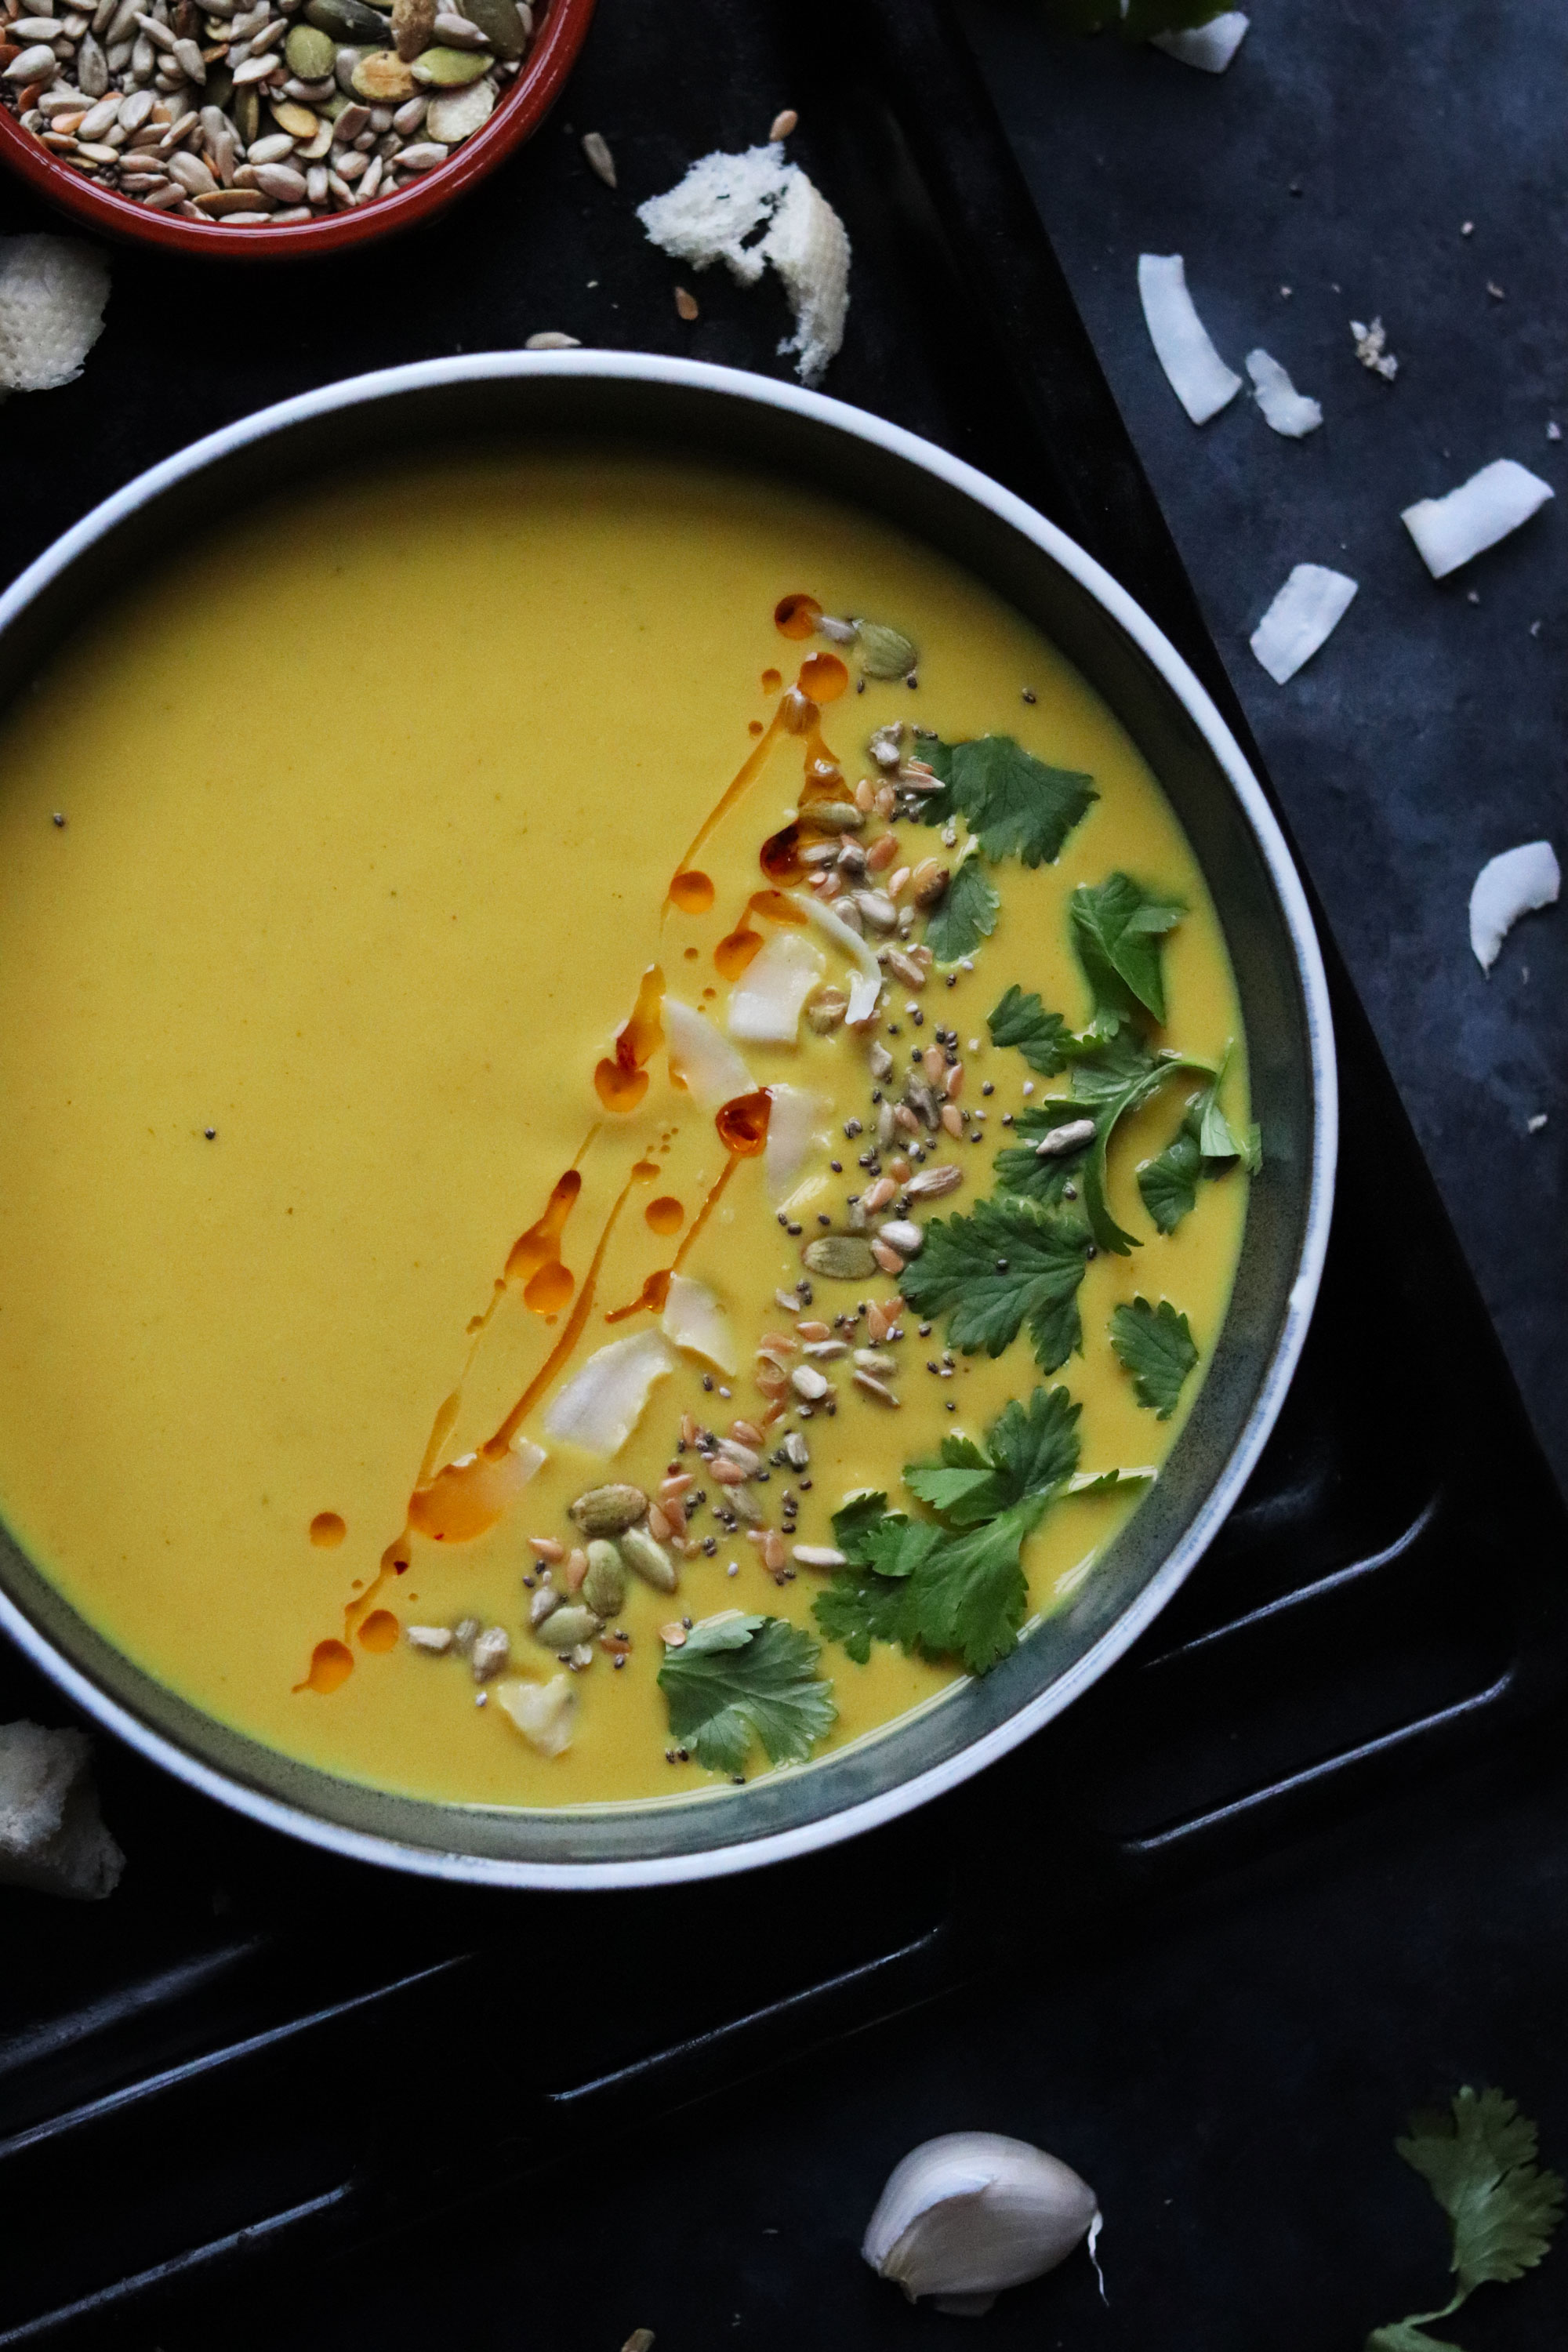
(1428, 734)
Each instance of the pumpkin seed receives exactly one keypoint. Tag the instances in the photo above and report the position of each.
(499, 23)
(349, 22)
(607, 1511)
(884, 652)
(834, 816)
(605, 1586)
(840, 1257)
(566, 1626)
(310, 52)
(446, 70)
(459, 113)
(650, 1560)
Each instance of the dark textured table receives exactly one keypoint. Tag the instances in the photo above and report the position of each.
(1339, 157)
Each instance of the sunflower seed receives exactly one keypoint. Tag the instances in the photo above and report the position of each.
(597, 156)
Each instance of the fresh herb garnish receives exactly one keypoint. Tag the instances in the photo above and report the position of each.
(1042, 1038)
(1205, 1145)
(964, 916)
(954, 1587)
(1116, 926)
(1479, 2161)
(1009, 1264)
(1014, 804)
(1155, 1345)
(742, 1678)
(1110, 1078)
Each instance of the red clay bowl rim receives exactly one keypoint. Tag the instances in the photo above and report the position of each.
(519, 115)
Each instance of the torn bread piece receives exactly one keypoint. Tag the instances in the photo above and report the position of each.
(1210, 48)
(1454, 530)
(1195, 369)
(1302, 617)
(52, 1836)
(53, 291)
(1516, 882)
(753, 210)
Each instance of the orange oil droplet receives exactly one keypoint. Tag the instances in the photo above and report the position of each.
(619, 1089)
(775, 907)
(495, 1447)
(458, 1504)
(708, 1205)
(735, 951)
(691, 954)
(772, 681)
(796, 616)
(644, 1168)
(742, 1123)
(823, 677)
(549, 1291)
(755, 726)
(643, 1035)
(331, 1664)
(692, 892)
(779, 855)
(380, 1630)
(327, 1531)
(665, 1215)
(654, 1294)
(541, 1246)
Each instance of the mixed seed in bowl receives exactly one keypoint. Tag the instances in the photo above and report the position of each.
(281, 112)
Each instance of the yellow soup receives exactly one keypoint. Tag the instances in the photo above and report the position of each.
(462, 922)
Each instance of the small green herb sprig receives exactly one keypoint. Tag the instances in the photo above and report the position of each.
(741, 1679)
(1479, 2158)
(1014, 806)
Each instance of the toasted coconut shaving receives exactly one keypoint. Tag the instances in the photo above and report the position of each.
(701, 1059)
(602, 1404)
(794, 1121)
(1303, 616)
(1518, 882)
(545, 1713)
(1294, 414)
(1452, 530)
(866, 981)
(694, 1319)
(1210, 48)
(1197, 375)
(765, 1002)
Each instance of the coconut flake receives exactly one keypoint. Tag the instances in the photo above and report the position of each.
(1303, 616)
(694, 1319)
(545, 1713)
(1209, 46)
(1450, 530)
(1294, 414)
(1197, 375)
(701, 1058)
(51, 1834)
(52, 294)
(809, 247)
(715, 214)
(794, 1118)
(866, 981)
(765, 1002)
(1515, 882)
(601, 1405)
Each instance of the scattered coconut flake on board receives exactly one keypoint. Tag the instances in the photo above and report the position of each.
(1517, 882)
(1294, 414)
(719, 211)
(1302, 617)
(693, 1318)
(602, 1404)
(1536, 1123)
(701, 1059)
(1209, 46)
(796, 1118)
(1372, 348)
(51, 1834)
(52, 294)
(765, 1001)
(1451, 530)
(1197, 375)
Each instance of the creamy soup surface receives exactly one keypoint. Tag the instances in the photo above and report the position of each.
(363, 1031)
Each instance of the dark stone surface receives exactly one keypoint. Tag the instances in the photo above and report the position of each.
(1428, 733)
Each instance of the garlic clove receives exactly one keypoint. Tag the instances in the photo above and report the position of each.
(973, 2212)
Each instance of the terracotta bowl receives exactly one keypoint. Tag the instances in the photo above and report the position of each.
(560, 28)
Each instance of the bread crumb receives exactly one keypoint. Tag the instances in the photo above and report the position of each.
(52, 295)
(52, 1836)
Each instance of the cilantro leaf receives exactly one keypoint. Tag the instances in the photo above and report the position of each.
(1033, 1450)
(853, 1520)
(1156, 1346)
(1014, 805)
(1169, 1182)
(973, 1595)
(1009, 1264)
(964, 914)
(1116, 926)
(1108, 1482)
(1109, 1078)
(1041, 1037)
(1479, 2164)
(1479, 2158)
(857, 1607)
(742, 1678)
